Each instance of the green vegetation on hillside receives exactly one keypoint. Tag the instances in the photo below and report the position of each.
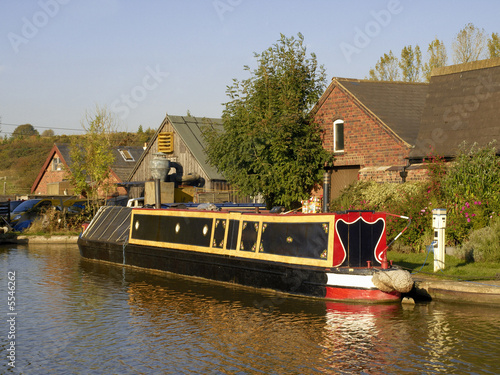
(21, 158)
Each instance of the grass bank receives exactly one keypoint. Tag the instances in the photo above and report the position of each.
(455, 268)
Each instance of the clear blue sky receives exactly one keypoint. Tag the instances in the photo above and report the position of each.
(143, 59)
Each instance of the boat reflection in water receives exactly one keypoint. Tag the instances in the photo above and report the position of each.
(159, 322)
(220, 323)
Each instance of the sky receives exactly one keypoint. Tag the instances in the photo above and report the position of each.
(59, 59)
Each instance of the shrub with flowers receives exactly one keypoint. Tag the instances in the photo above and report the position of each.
(409, 199)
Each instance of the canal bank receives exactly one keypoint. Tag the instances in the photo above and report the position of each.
(29, 240)
(430, 287)
(427, 287)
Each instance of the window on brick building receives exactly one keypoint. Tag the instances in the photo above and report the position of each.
(56, 164)
(338, 136)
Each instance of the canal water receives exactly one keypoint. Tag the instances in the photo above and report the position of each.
(77, 316)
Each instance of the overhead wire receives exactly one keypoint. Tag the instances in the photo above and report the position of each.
(43, 127)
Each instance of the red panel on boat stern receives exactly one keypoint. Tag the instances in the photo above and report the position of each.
(360, 294)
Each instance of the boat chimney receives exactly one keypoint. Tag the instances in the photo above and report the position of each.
(159, 166)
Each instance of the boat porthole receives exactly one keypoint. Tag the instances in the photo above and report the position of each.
(137, 225)
(177, 228)
(205, 230)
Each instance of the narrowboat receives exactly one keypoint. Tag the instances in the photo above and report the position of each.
(335, 256)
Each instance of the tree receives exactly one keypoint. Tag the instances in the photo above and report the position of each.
(48, 133)
(469, 44)
(25, 130)
(494, 45)
(437, 57)
(386, 69)
(270, 144)
(92, 156)
(411, 63)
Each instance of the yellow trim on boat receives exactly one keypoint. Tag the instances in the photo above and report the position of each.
(241, 218)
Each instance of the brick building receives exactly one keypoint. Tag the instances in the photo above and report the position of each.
(53, 177)
(371, 127)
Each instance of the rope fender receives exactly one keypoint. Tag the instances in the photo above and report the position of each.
(393, 280)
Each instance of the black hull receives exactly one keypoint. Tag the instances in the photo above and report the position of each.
(298, 280)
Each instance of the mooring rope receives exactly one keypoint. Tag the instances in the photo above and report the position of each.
(429, 249)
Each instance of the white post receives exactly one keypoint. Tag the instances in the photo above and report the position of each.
(439, 225)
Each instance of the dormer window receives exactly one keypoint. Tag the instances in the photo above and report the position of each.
(338, 136)
(126, 155)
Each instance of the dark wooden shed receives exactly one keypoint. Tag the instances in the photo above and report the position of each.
(180, 138)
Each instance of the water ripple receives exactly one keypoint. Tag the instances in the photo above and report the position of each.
(84, 317)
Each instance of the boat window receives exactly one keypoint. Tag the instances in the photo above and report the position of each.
(173, 229)
(219, 233)
(249, 233)
(302, 240)
(232, 234)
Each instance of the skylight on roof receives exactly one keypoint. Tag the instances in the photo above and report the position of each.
(126, 155)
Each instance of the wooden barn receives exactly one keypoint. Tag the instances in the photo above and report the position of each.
(180, 139)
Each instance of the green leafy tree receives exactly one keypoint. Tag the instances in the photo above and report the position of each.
(469, 44)
(494, 45)
(48, 133)
(270, 145)
(411, 64)
(437, 57)
(386, 69)
(25, 130)
(92, 156)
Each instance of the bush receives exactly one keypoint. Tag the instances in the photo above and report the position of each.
(53, 221)
(410, 199)
(484, 244)
(470, 189)
(49, 221)
(475, 175)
